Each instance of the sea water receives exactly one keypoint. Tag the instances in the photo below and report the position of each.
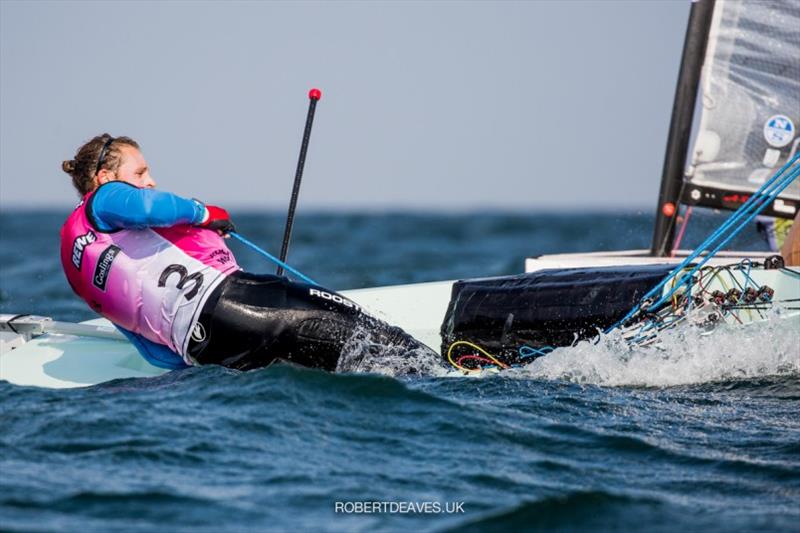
(701, 434)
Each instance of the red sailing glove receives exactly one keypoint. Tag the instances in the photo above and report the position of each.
(217, 219)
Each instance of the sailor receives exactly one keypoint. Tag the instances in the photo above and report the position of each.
(156, 265)
(791, 246)
(774, 230)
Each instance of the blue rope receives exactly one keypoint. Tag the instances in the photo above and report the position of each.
(772, 195)
(755, 198)
(742, 211)
(274, 259)
(756, 203)
(527, 351)
(747, 278)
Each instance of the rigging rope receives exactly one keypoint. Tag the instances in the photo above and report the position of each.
(274, 259)
(718, 239)
(737, 300)
(524, 351)
(679, 238)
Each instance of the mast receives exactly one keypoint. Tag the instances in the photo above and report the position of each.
(680, 128)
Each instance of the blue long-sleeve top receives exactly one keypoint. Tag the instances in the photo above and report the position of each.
(156, 354)
(118, 205)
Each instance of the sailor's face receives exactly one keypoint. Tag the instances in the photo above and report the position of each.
(132, 169)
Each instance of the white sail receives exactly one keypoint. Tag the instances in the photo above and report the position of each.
(749, 109)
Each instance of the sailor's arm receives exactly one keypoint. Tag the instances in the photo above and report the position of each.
(119, 205)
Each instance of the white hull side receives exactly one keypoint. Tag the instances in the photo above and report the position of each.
(65, 361)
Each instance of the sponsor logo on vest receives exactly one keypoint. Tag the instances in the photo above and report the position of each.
(221, 256)
(333, 297)
(78, 246)
(104, 267)
(198, 333)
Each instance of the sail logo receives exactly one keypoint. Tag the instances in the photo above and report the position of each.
(779, 131)
(79, 244)
(104, 267)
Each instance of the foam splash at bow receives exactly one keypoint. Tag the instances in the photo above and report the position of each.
(684, 355)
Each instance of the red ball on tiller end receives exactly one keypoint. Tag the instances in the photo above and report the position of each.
(315, 94)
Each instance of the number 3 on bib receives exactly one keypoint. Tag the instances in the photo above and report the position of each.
(185, 277)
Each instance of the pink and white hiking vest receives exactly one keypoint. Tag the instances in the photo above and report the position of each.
(153, 281)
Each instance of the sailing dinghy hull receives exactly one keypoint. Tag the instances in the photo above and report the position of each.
(63, 361)
(66, 361)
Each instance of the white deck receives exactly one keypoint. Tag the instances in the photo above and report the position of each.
(631, 257)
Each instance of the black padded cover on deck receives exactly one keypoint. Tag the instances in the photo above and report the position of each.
(544, 308)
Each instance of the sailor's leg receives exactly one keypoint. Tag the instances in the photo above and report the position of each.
(258, 319)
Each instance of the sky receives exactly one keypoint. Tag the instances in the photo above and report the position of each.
(425, 105)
